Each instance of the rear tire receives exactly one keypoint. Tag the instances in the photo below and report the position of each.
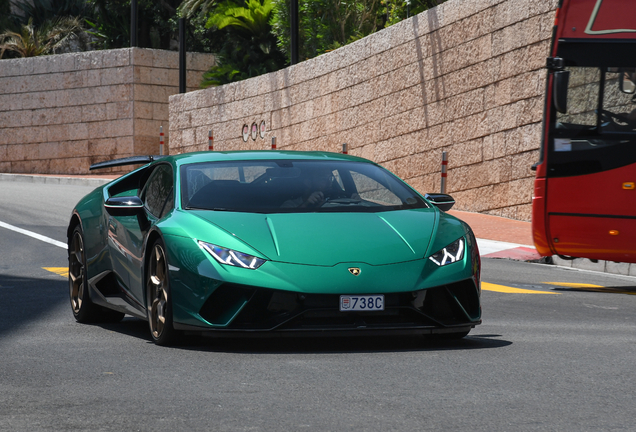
(84, 310)
(158, 296)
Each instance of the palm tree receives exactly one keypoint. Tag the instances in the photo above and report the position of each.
(34, 41)
(189, 7)
(253, 18)
(249, 48)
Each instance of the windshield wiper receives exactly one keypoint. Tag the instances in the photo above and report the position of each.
(209, 209)
(346, 201)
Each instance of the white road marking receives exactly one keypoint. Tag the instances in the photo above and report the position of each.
(34, 235)
(491, 246)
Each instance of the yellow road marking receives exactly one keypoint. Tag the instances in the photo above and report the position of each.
(60, 271)
(506, 289)
(573, 285)
(591, 288)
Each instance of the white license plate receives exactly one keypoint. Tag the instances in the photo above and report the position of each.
(361, 303)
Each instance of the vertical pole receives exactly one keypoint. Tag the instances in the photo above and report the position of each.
(293, 15)
(444, 167)
(210, 141)
(273, 143)
(133, 23)
(182, 56)
(161, 140)
(345, 149)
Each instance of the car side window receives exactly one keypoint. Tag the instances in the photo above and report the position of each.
(158, 195)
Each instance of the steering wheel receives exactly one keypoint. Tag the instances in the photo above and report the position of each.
(615, 118)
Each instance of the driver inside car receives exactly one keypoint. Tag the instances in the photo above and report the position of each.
(317, 185)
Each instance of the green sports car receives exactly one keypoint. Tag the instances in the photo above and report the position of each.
(271, 243)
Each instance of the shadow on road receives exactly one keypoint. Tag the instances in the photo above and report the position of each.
(24, 299)
(631, 290)
(129, 326)
(311, 345)
(345, 344)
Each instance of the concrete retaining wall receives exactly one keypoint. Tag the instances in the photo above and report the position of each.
(466, 77)
(61, 113)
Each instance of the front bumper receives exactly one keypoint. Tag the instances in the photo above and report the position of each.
(243, 310)
(286, 299)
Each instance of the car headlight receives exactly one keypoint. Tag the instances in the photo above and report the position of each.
(450, 254)
(232, 257)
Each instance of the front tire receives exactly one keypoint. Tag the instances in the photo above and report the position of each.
(84, 310)
(158, 298)
(451, 336)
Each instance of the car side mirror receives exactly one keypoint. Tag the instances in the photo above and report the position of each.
(124, 206)
(560, 90)
(443, 202)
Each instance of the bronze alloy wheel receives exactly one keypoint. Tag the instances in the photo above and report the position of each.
(158, 296)
(84, 310)
(76, 272)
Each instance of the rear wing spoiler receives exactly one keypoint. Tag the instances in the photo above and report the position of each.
(133, 160)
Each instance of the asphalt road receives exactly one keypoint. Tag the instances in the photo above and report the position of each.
(547, 357)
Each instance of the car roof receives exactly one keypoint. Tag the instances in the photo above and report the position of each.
(255, 155)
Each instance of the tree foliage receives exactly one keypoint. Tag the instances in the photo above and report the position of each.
(40, 12)
(247, 45)
(6, 22)
(190, 8)
(248, 38)
(157, 24)
(325, 25)
(33, 41)
(397, 10)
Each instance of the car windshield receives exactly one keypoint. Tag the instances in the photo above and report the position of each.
(284, 186)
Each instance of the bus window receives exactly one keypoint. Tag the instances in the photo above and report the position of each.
(582, 99)
(584, 125)
(619, 112)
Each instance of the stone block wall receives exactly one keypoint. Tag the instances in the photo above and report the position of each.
(61, 113)
(465, 77)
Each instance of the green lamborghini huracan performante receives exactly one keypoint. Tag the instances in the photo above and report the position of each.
(271, 243)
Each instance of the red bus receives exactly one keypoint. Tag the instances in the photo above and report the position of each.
(584, 201)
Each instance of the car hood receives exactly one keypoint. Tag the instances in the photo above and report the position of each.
(327, 239)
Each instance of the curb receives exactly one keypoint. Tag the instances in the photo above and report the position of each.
(520, 253)
(77, 181)
(623, 269)
(516, 252)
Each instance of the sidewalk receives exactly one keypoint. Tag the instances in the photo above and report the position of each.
(497, 237)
